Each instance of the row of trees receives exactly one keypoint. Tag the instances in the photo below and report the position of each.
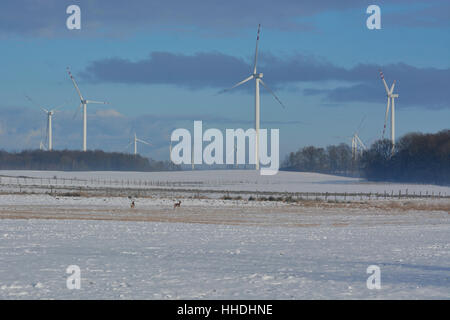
(417, 157)
(69, 160)
(332, 159)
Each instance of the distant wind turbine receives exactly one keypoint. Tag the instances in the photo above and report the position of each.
(49, 130)
(390, 97)
(357, 145)
(135, 141)
(83, 104)
(258, 79)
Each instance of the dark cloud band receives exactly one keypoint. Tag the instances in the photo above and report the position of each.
(424, 87)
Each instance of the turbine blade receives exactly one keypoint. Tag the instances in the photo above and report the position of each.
(128, 145)
(360, 124)
(75, 84)
(59, 107)
(256, 50)
(35, 103)
(142, 141)
(360, 142)
(76, 111)
(386, 117)
(274, 95)
(384, 82)
(236, 85)
(392, 87)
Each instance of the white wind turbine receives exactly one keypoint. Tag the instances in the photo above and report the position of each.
(357, 146)
(83, 104)
(135, 141)
(391, 97)
(49, 129)
(258, 80)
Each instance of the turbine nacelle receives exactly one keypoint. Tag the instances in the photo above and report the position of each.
(258, 75)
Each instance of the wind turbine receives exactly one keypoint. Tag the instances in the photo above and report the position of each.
(258, 79)
(391, 97)
(49, 114)
(357, 146)
(135, 141)
(83, 104)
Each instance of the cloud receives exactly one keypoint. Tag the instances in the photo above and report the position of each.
(194, 71)
(46, 18)
(424, 87)
(433, 15)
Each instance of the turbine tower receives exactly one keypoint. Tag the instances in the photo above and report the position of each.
(390, 98)
(258, 79)
(135, 141)
(49, 129)
(83, 104)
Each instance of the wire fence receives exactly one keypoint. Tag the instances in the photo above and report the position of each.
(142, 187)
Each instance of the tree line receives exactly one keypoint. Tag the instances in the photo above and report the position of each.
(334, 159)
(69, 160)
(417, 157)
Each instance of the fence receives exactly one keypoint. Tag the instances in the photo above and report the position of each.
(138, 187)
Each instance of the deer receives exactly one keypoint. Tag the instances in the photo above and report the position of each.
(177, 204)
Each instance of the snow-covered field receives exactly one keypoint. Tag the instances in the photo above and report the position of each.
(211, 248)
(149, 260)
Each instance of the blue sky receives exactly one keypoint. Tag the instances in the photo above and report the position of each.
(160, 65)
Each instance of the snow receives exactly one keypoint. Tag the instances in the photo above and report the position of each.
(211, 248)
(158, 260)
